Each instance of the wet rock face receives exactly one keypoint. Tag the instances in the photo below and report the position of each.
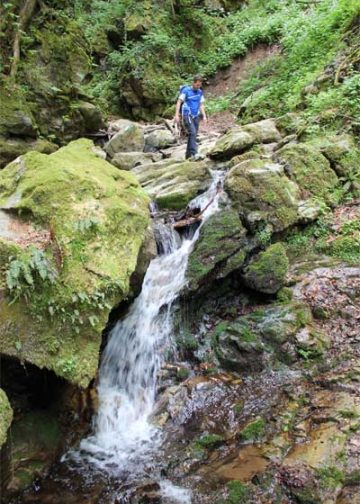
(173, 185)
(220, 250)
(253, 341)
(87, 221)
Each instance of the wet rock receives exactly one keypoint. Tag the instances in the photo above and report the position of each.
(95, 217)
(263, 195)
(35, 441)
(159, 139)
(237, 347)
(219, 250)
(306, 166)
(281, 332)
(129, 137)
(147, 493)
(128, 160)
(241, 138)
(6, 415)
(267, 271)
(172, 185)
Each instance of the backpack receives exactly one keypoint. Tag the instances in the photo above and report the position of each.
(181, 89)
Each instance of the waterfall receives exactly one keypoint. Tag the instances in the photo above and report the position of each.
(123, 435)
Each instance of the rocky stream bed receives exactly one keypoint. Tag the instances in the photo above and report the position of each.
(257, 395)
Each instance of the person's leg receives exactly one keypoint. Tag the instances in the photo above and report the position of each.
(188, 130)
(194, 124)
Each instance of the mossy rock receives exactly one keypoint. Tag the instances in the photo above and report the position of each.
(252, 154)
(128, 138)
(6, 416)
(241, 138)
(128, 160)
(261, 192)
(267, 271)
(90, 220)
(220, 249)
(310, 170)
(173, 185)
(254, 430)
(238, 347)
(265, 336)
(11, 148)
(342, 152)
(16, 117)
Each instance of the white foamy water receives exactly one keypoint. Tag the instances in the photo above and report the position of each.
(174, 494)
(123, 435)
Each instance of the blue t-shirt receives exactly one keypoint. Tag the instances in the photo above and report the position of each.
(192, 99)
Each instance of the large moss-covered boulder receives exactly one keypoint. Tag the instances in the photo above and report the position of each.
(342, 152)
(241, 138)
(310, 169)
(252, 341)
(267, 271)
(263, 194)
(129, 137)
(172, 185)
(219, 250)
(6, 415)
(79, 225)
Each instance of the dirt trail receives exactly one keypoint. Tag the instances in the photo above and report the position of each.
(227, 81)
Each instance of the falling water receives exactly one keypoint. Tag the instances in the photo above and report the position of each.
(123, 435)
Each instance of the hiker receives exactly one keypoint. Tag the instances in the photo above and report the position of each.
(191, 104)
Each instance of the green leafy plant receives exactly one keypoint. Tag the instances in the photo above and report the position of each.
(27, 271)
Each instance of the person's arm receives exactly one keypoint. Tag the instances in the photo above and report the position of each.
(203, 113)
(177, 113)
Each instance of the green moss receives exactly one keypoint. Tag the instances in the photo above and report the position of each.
(263, 194)
(284, 295)
(330, 477)
(310, 170)
(97, 216)
(6, 416)
(239, 407)
(253, 431)
(267, 271)
(209, 441)
(218, 250)
(238, 493)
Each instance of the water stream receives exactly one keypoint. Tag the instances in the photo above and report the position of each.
(123, 438)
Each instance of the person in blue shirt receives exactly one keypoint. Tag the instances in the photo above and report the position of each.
(191, 104)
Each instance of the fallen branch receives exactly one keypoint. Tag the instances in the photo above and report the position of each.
(194, 218)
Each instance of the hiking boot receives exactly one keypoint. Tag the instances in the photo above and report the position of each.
(197, 157)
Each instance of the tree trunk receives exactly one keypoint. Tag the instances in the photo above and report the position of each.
(26, 13)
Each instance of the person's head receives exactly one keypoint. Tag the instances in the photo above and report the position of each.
(197, 81)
